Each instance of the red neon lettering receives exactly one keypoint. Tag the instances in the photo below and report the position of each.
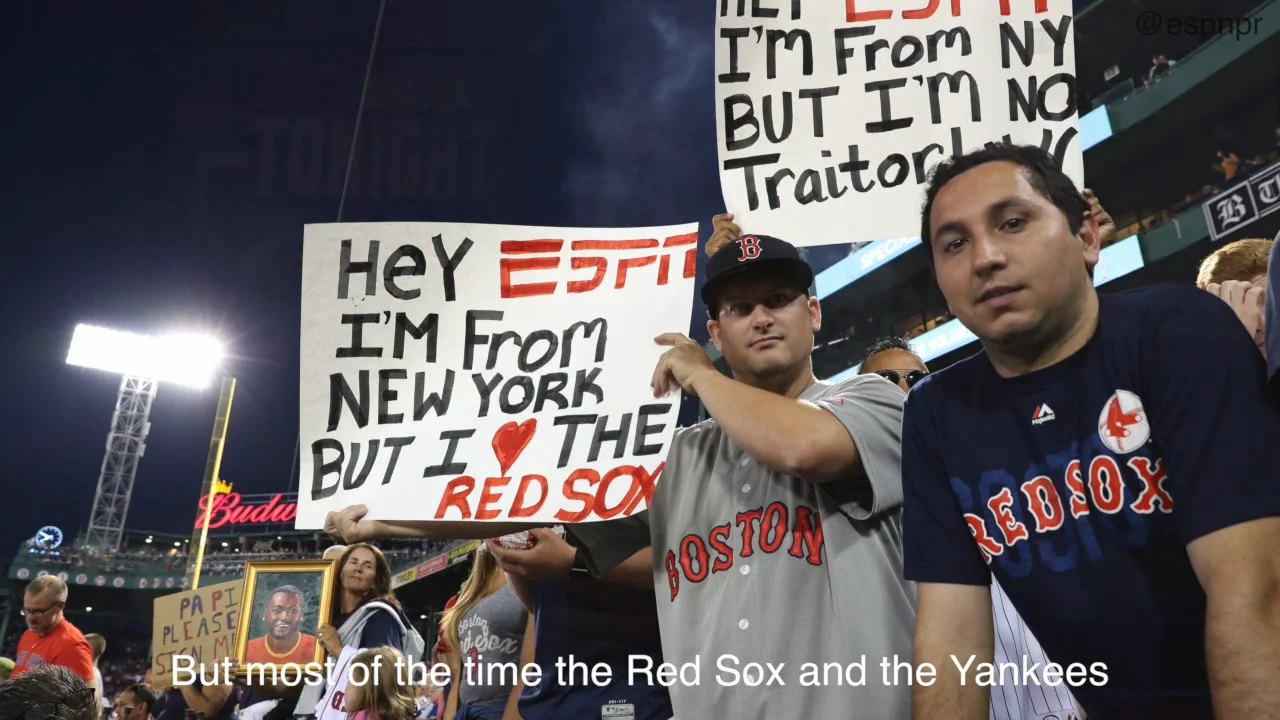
(1105, 484)
(518, 508)
(807, 533)
(999, 505)
(1045, 504)
(488, 496)
(773, 530)
(1075, 482)
(455, 496)
(748, 520)
(1153, 492)
(986, 545)
(719, 541)
(570, 492)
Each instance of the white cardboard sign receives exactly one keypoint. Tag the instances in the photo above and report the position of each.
(830, 113)
(487, 372)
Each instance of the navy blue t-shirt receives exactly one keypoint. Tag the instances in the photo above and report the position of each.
(1080, 485)
(595, 622)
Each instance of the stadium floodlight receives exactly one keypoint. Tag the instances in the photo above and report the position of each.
(143, 362)
(182, 358)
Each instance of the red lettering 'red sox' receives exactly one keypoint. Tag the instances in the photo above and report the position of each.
(589, 255)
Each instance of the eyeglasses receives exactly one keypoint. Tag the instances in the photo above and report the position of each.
(78, 700)
(911, 376)
(38, 613)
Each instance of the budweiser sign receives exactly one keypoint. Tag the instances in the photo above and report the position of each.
(230, 509)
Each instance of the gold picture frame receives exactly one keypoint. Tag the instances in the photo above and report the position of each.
(310, 593)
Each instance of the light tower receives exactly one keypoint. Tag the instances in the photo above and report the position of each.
(144, 362)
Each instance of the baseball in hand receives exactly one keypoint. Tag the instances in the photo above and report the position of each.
(522, 540)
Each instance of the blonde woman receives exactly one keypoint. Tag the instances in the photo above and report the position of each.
(380, 696)
(484, 628)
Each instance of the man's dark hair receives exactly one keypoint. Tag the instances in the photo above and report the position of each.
(59, 693)
(145, 693)
(1039, 168)
(288, 590)
(889, 342)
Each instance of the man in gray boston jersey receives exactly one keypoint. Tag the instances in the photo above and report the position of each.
(775, 526)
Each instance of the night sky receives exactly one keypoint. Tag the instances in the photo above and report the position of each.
(164, 158)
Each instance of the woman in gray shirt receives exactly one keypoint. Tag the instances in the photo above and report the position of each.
(485, 631)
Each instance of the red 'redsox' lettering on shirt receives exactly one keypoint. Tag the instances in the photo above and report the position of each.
(593, 255)
(1101, 488)
(764, 529)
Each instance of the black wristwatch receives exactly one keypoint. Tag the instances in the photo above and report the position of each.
(579, 569)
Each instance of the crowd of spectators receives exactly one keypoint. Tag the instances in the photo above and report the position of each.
(218, 560)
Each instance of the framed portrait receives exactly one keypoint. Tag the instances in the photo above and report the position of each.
(285, 603)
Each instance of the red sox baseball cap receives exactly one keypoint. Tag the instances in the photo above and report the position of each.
(751, 252)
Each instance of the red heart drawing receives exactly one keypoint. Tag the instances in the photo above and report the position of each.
(511, 440)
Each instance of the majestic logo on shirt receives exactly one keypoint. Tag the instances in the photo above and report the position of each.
(692, 561)
(1123, 423)
(1042, 415)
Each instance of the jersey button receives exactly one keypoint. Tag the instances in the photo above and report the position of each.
(746, 488)
(745, 569)
(743, 624)
(745, 461)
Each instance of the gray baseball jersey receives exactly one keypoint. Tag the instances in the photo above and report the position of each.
(752, 566)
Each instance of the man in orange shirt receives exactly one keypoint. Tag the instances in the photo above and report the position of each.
(283, 642)
(50, 638)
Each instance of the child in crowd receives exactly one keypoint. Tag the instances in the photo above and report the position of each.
(381, 696)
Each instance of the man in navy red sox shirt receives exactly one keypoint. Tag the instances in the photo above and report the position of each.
(1113, 461)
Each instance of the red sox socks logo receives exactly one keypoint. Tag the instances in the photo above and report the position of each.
(1123, 423)
(750, 246)
(694, 563)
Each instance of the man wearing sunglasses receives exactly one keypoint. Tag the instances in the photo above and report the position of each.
(136, 702)
(893, 359)
(50, 638)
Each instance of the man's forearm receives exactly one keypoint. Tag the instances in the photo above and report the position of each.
(953, 622)
(450, 530)
(1242, 648)
(636, 571)
(788, 435)
(947, 698)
